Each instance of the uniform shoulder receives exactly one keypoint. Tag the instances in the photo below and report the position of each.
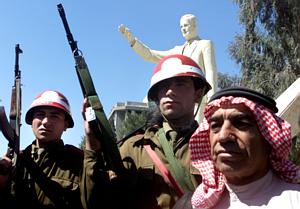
(74, 151)
(73, 156)
(141, 137)
(131, 139)
(134, 135)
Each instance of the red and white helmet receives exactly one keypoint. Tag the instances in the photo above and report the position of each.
(50, 98)
(174, 66)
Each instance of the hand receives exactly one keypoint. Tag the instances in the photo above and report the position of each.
(5, 168)
(91, 141)
(127, 34)
(122, 28)
(5, 165)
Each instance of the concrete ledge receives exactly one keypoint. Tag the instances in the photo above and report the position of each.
(288, 104)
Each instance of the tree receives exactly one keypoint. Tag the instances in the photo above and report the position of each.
(132, 121)
(268, 50)
(225, 80)
(81, 145)
(295, 151)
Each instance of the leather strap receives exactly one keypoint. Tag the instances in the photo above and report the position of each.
(99, 122)
(175, 166)
(169, 179)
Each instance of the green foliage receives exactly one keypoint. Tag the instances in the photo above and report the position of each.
(268, 50)
(226, 80)
(81, 145)
(132, 121)
(295, 152)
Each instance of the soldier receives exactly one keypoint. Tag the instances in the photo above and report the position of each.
(48, 172)
(176, 85)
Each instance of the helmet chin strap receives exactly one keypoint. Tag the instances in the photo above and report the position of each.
(198, 107)
(165, 119)
(199, 102)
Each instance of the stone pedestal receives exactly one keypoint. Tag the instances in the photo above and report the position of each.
(288, 104)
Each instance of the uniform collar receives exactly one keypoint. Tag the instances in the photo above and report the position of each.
(53, 146)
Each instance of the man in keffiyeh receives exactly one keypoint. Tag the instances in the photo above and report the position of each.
(241, 150)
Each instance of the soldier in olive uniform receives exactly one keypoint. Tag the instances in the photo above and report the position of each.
(176, 85)
(48, 173)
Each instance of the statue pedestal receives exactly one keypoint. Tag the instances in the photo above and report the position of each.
(288, 104)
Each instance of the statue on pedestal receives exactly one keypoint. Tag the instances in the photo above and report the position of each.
(200, 50)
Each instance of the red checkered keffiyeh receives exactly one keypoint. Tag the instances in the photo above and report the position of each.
(274, 129)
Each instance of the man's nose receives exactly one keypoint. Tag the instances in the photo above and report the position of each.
(45, 119)
(170, 90)
(226, 133)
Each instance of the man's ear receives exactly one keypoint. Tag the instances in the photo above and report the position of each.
(66, 125)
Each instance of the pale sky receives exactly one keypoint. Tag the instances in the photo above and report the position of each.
(118, 73)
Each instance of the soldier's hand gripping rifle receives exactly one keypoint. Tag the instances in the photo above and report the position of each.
(98, 120)
(11, 129)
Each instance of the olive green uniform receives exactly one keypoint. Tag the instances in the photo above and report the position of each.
(147, 188)
(52, 178)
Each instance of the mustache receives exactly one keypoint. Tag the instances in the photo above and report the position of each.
(228, 147)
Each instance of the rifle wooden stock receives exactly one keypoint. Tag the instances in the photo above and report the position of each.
(5, 127)
(11, 129)
(99, 124)
(13, 108)
(15, 119)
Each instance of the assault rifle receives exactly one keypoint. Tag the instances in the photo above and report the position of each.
(97, 118)
(11, 129)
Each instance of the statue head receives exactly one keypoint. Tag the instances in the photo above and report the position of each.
(188, 26)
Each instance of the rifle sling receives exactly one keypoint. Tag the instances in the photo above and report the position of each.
(176, 168)
(100, 125)
(51, 188)
(169, 179)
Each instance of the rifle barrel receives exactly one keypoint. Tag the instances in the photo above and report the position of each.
(18, 51)
(100, 124)
(72, 42)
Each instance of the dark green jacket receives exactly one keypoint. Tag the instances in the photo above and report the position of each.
(52, 178)
(147, 188)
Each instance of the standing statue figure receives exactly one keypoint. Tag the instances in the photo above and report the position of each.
(201, 51)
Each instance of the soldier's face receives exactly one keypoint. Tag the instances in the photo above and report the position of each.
(177, 97)
(48, 124)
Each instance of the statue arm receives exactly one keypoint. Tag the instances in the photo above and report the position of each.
(148, 54)
(140, 48)
(210, 67)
